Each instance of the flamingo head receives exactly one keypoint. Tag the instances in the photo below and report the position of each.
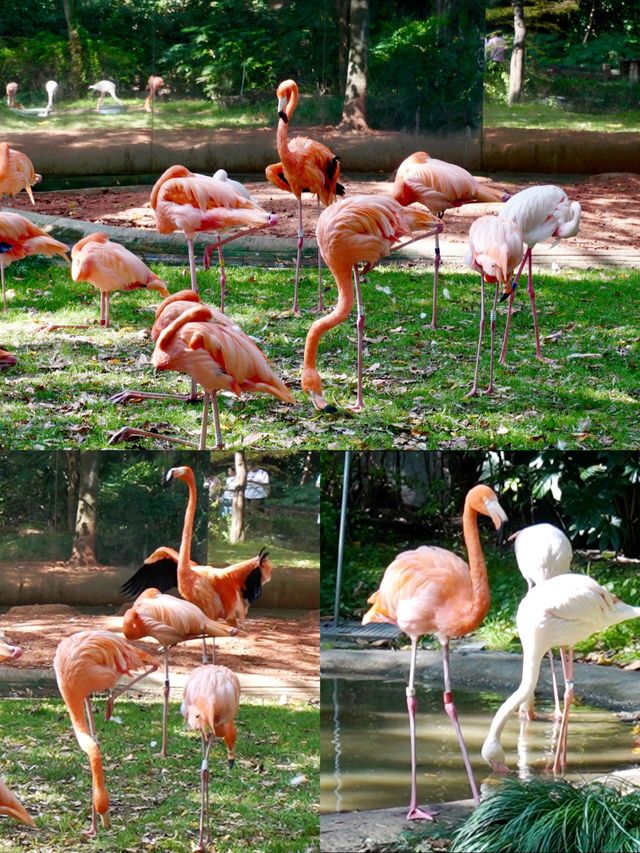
(485, 501)
(287, 93)
(181, 473)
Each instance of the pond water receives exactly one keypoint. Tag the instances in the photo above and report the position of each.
(365, 759)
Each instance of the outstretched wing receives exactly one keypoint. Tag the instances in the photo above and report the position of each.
(160, 570)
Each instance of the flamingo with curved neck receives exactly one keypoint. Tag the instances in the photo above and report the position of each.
(433, 591)
(306, 165)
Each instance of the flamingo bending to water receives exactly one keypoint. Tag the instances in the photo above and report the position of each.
(211, 702)
(495, 248)
(542, 551)
(104, 88)
(154, 84)
(51, 88)
(16, 172)
(359, 228)
(432, 591)
(20, 238)
(560, 611)
(198, 340)
(540, 213)
(439, 186)
(306, 165)
(85, 663)
(9, 804)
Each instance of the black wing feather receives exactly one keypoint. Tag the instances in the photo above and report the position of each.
(252, 589)
(163, 575)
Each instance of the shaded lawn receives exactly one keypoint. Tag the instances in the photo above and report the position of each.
(155, 803)
(540, 115)
(415, 379)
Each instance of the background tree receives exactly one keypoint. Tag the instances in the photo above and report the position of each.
(516, 71)
(83, 550)
(354, 110)
(236, 534)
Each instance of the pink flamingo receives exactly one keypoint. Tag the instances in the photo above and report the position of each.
(359, 228)
(9, 804)
(306, 165)
(432, 591)
(540, 213)
(12, 90)
(211, 702)
(16, 172)
(439, 186)
(495, 248)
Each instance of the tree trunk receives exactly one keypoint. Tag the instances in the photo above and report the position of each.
(83, 552)
(354, 110)
(75, 81)
(342, 11)
(237, 507)
(73, 475)
(516, 72)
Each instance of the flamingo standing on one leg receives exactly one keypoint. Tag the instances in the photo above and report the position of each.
(12, 90)
(220, 593)
(170, 621)
(540, 213)
(20, 238)
(9, 804)
(16, 172)
(560, 611)
(495, 248)
(359, 228)
(154, 84)
(87, 662)
(109, 266)
(198, 340)
(105, 87)
(432, 591)
(211, 702)
(439, 186)
(542, 551)
(305, 166)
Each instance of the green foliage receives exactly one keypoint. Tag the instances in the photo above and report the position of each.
(555, 817)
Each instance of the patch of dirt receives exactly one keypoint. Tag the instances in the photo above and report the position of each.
(275, 644)
(610, 207)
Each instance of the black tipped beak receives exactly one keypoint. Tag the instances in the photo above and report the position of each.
(504, 297)
(230, 763)
(168, 477)
(283, 116)
(500, 533)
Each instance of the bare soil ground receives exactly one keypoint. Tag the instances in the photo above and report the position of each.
(280, 646)
(610, 204)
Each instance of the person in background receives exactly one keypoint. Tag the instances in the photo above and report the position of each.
(494, 48)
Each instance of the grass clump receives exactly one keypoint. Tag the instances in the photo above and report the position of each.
(544, 816)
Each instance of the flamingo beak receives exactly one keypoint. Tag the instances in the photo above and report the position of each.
(499, 518)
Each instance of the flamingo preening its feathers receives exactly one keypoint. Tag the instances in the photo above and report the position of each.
(16, 172)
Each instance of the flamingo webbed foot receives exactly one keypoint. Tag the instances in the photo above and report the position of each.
(417, 813)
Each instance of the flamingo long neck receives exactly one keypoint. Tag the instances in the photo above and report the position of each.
(479, 605)
(334, 318)
(282, 136)
(184, 557)
(531, 660)
(75, 706)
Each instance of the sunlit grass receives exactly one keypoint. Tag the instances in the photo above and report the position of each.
(548, 116)
(415, 380)
(257, 806)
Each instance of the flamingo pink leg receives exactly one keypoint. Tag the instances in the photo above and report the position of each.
(113, 694)
(223, 277)
(474, 388)
(359, 404)
(493, 336)
(165, 706)
(320, 307)
(532, 297)
(414, 813)
(554, 682)
(204, 792)
(560, 760)
(296, 307)
(92, 731)
(514, 284)
(192, 265)
(4, 295)
(452, 713)
(437, 260)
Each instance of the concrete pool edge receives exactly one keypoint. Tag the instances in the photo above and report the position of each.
(602, 686)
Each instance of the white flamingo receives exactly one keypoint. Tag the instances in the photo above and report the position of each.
(105, 87)
(540, 212)
(560, 611)
(51, 87)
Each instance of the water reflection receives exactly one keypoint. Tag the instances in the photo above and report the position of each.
(365, 743)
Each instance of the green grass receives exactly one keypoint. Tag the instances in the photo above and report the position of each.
(415, 380)
(155, 802)
(222, 552)
(548, 116)
(555, 817)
